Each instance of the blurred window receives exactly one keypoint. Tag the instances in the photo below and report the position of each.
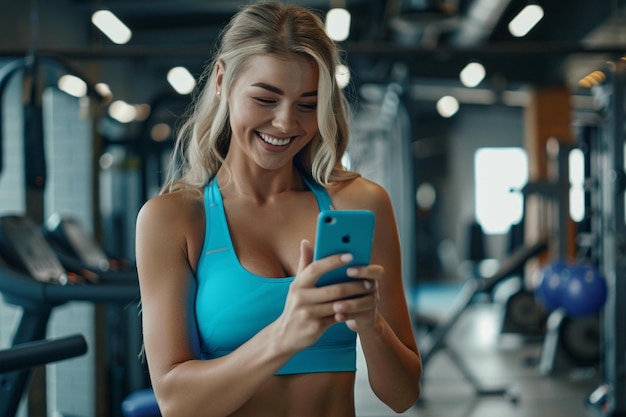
(500, 174)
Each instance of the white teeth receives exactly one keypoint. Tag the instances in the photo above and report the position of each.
(274, 141)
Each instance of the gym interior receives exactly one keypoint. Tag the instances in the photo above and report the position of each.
(501, 146)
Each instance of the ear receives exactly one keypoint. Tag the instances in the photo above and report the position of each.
(219, 71)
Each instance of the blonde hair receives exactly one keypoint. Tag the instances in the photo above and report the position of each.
(264, 28)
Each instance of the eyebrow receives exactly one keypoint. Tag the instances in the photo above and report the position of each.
(277, 90)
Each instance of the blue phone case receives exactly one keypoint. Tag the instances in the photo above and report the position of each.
(344, 231)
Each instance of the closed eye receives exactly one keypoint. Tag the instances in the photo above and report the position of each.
(309, 107)
(265, 100)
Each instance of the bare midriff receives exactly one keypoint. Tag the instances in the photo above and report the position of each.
(303, 395)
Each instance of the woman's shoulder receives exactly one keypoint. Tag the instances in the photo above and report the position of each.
(171, 223)
(174, 208)
(358, 193)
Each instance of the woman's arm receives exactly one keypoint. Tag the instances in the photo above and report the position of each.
(182, 383)
(168, 242)
(383, 322)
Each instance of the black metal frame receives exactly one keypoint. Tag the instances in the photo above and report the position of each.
(609, 399)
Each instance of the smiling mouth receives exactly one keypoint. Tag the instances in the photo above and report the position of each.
(274, 141)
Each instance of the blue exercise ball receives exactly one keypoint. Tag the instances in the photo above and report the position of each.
(584, 292)
(548, 290)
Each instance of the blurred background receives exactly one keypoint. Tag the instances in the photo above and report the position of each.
(494, 125)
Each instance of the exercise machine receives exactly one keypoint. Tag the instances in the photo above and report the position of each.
(32, 278)
(21, 358)
(41, 352)
(79, 252)
(521, 313)
(607, 190)
(570, 342)
(435, 340)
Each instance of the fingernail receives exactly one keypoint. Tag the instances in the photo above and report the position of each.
(346, 257)
(367, 285)
(352, 272)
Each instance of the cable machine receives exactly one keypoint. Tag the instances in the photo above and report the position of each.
(609, 399)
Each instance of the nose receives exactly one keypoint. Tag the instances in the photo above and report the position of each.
(285, 118)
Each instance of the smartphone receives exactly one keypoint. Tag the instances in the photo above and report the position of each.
(344, 231)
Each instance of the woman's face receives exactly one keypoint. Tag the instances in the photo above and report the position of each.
(273, 110)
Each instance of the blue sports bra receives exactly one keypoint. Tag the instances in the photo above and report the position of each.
(232, 304)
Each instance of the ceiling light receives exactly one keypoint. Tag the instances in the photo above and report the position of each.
(111, 26)
(105, 91)
(72, 85)
(447, 106)
(122, 111)
(338, 24)
(181, 80)
(472, 74)
(525, 20)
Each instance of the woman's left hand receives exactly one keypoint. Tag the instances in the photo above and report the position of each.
(361, 313)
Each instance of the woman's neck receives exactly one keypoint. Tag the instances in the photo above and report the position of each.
(258, 184)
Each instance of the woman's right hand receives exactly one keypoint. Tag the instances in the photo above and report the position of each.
(309, 309)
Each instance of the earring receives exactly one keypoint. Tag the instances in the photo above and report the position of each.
(218, 93)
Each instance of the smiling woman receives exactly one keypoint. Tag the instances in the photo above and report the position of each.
(234, 323)
(272, 108)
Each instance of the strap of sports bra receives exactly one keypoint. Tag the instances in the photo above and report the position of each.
(212, 192)
(321, 194)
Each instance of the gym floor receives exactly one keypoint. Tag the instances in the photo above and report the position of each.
(497, 360)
